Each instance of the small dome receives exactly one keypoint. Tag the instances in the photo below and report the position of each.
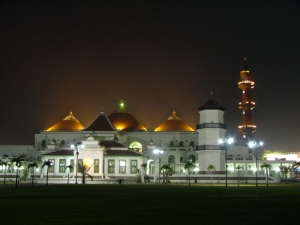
(70, 123)
(122, 120)
(174, 123)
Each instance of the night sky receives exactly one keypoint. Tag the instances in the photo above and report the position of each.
(156, 55)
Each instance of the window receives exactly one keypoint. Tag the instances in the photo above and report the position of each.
(111, 166)
(192, 158)
(136, 146)
(171, 159)
(62, 143)
(96, 165)
(62, 166)
(133, 166)
(51, 169)
(192, 144)
(171, 143)
(180, 143)
(122, 167)
(181, 159)
(43, 143)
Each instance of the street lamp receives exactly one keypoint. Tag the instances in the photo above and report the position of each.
(158, 152)
(255, 145)
(225, 143)
(78, 146)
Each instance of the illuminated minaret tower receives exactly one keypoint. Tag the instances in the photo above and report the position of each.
(246, 105)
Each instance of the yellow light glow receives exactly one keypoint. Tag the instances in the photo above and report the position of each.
(250, 126)
(246, 82)
(88, 162)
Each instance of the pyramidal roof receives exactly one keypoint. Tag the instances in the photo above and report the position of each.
(69, 123)
(122, 120)
(174, 123)
(101, 123)
(211, 105)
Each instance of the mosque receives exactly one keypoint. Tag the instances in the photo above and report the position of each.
(116, 145)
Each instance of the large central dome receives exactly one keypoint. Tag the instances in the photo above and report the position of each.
(174, 123)
(122, 120)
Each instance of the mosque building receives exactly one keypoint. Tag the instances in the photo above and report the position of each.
(117, 145)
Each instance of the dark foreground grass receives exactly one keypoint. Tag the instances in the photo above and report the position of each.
(149, 204)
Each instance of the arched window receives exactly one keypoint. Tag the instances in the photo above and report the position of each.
(171, 159)
(62, 143)
(43, 143)
(181, 159)
(192, 158)
(192, 144)
(136, 146)
(171, 143)
(180, 143)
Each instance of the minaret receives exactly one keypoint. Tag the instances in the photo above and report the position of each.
(211, 129)
(246, 105)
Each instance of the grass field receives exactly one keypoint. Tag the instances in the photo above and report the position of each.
(149, 204)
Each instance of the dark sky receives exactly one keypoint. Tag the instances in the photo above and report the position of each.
(156, 55)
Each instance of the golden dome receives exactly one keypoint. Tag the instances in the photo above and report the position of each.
(122, 120)
(174, 123)
(70, 123)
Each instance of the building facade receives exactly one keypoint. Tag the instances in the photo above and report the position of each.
(117, 145)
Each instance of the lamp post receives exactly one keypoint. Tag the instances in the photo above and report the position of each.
(255, 145)
(157, 151)
(225, 143)
(78, 146)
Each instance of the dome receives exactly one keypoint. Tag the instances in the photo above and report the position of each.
(174, 123)
(70, 123)
(122, 120)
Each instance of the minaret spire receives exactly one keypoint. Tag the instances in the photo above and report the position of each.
(246, 105)
(245, 65)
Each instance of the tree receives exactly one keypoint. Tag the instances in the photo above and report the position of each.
(267, 167)
(32, 165)
(83, 168)
(210, 168)
(18, 163)
(295, 166)
(189, 165)
(285, 170)
(238, 173)
(144, 167)
(141, 173)
(49, 164)
(69, 167)
(5, 164)
(24, 174)
(167, 171)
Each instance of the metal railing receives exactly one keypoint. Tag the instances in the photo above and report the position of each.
(211, 125)
(210, 147)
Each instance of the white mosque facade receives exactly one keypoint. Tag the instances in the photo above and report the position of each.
(115, 146)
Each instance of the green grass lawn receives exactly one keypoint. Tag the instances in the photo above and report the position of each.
(149, 204)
